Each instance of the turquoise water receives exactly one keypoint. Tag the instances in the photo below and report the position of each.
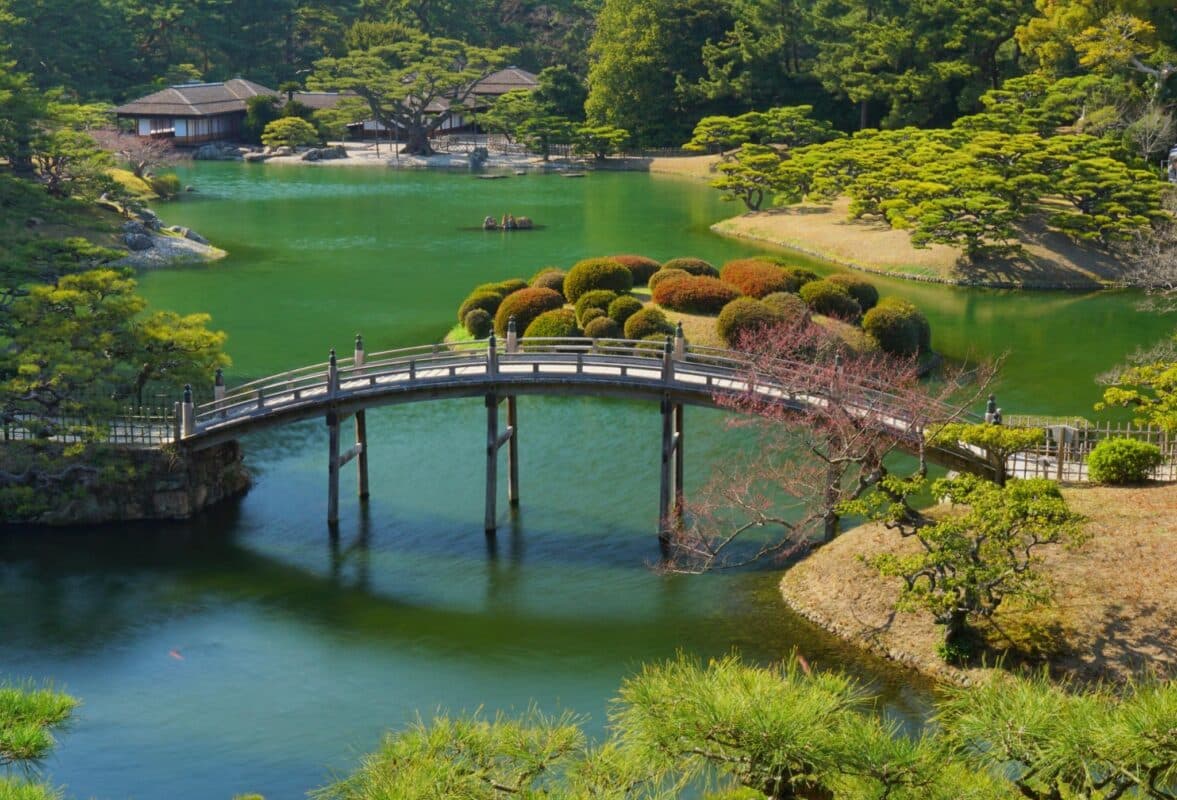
(244, 651)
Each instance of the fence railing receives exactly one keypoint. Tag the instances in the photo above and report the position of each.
(1063, 454)
(133, 427)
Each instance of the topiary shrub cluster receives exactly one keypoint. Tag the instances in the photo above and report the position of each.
(694, 266)
(560, 322)
(590, 314)
(501, 288)
(742, 316)
(896, 327)
(754, 277)
(603, 328)
(639, 266)
(478, 323)
(860, 289)
(831, 300)
(790, 307)
(695, 294)
(487, 301)
(525, 305)
(597, 298)
(549, 278)
(623, 308)
(1121, 461)
(647, 322)
(665, 275)
(596, 273)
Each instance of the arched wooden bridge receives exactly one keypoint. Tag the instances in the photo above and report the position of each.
(675, 375)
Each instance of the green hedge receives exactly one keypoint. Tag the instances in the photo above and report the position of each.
(860, 289)
(920, 321)
(624, 307)
(597, 298)
(525, 305)
(478, 323)
(549, 278)
(663, 275)
(790, 307)
(596, 273)
(639, 266)
(695, 266)
(647, 322)
(1120, 461)
(560, 322)
(831, 299)
(695, 294)
(755, 277)
(487, 301)
(603, 328)
(742, 316)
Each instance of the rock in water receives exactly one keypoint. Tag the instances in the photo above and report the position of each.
(138, 242)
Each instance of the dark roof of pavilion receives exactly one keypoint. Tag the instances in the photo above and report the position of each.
(196, 99)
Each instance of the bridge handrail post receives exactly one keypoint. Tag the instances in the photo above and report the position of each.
(680, 343)
(176, 415)
(492, 355)
(187, 413)
(219, 389)
(512, 336)
(668, 361)
(332, 374)
(358, 359)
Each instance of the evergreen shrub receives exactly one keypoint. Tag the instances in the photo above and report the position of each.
(647, 322)
(664, 274)
(790, 307)
(755, 277)
(695, 266)
(525, 305)
(597, 298)
(487, 301)
(624, 307)
(1121, 461)
(590, 314)
(894, 329)
(831, 300)
(603, 328)
(860, 289)
(478, 323)
(559, 322)
(549, 278)
(744, 315)
(596, 273)
(920, 321)
(639, 266)
(695, 294)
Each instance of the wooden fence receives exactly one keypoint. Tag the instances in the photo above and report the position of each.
(1063, 454)
(132, 427)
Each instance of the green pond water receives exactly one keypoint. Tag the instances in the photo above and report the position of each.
(245, 651)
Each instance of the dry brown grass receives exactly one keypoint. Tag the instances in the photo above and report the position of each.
(1115, 609)
(1052, 260)
(686, 166)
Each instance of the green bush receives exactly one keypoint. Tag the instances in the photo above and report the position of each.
(797, 276)
(790, 307)
(560, 322)
(647, 322)
(502, 288)
(664, 274)
(695, 294)
(742, 316)
(831, 299)
(596, 273)
(1120, 461)
(603, 328)
(860, 289)
(479, 323)
(487, 301)
(895, 328)
(624, 307)
(755, 277)
(597, 298)
(590, 314)
(525, 305)
(917, 317)
(639, 266)
(549, 278)
(695, 266)
(166, 186)
(289, 132)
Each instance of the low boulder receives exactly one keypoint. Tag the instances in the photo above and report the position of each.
(194, 236)
(138, 242)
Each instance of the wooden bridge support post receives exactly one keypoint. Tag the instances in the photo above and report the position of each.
(679, 462)
(670, 486)
(332, 469)
(361, 448)
(494, 443)
(512, 452)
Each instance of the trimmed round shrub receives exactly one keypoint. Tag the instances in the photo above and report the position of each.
(743, 315)
(831, 299)
(560, 322)
(920, 321)
(754, 277)
(860, 289)
(791, 307)
(695, 294)
(603, 328)
(590, 314)
(797, 276)
(596, 273)
(695, 266)
(647, 322)
(1120, 461)
(525, 305)
(895, 328)
(597, 298)
(549, 278)
(664, 274)
(624, 307)
(502, 288)
(639, 266)
(487, 301)
(478, 323)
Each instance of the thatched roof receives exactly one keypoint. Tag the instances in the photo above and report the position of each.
(196, 99)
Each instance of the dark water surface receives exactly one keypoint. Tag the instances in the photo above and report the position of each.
(246, 652)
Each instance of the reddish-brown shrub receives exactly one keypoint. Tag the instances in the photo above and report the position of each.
(754, 277)
(695, 294)
(525, 305)
(641, 267)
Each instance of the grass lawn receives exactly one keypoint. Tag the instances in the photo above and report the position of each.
(1052, 260)
(1115, 611)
